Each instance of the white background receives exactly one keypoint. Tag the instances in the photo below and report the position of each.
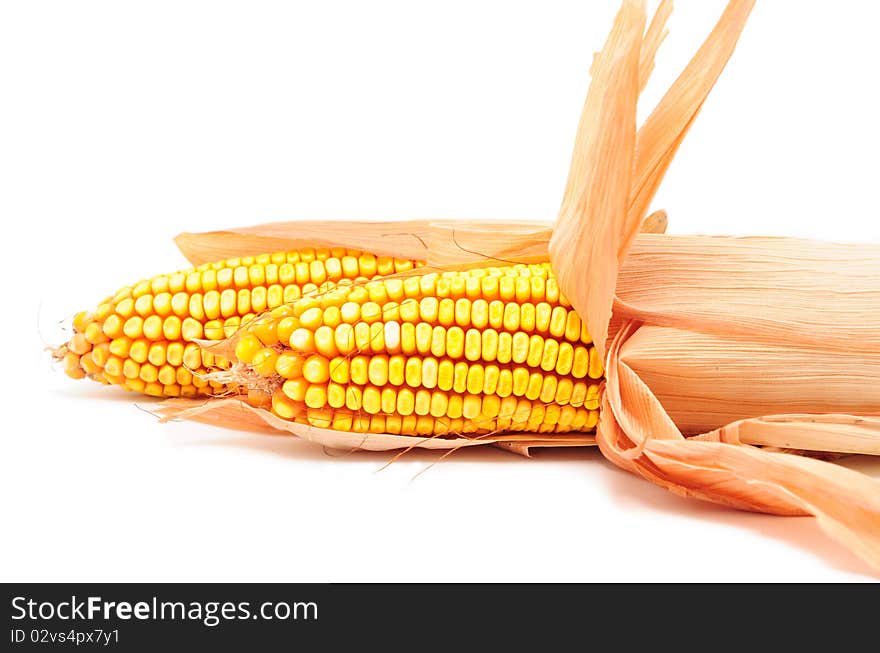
(122, 124)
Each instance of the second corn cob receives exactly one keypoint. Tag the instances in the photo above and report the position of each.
(144, 337)
(441, 353)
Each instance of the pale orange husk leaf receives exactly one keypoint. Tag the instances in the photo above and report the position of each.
(635, 431)
(233, 412)
(600, 177)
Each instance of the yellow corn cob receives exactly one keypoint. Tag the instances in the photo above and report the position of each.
(143, 337)
(472, 351)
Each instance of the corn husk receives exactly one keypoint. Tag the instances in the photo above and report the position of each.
(747, 346)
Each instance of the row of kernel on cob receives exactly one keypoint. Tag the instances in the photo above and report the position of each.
(461, 353)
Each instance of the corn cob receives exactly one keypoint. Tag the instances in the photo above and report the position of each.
(474, 351)
(144, 337)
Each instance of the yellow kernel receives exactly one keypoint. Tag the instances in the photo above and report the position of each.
(459, 376)
(387, 400)
(171, 327)
(156, 354)
(354, 397)
(548, 389)
(274, 296)
(496, 314)
(564, 388)
(511, 317)
(413, 372)
(520, 347)
(316, 369)
(454, 406)
(214, 330)
(180, 304)
(284, 407)
(472, 344)
(454, 342)
(377, 370)
(491, 406)
(191, 329)
(405, 401)
(475, 377)
(591, 400)
(152, 327)
(125, 308)
(416, 338)
(572, 326)
(505, 347)
(564, 357)
(285, 328)
(295, 388)
(491, 375)
(372, 400)
(446, 312)
(438, 341)
(113, 366)
(371, 312)
(377, 336)
(264, 361)
(578, 394)
(247, 347)
(143, 305)
(316, 396)
(81, 320)
(339, 370)
(445, 374)
(520, 381)
(558, 319)
(368, 265)
(527, 317)
(536, 348)
(133, 327)
(95, 334)
(581, 363)
(139, 351)
(302, 340)
(480, 314)
(533, 389)
(148, 373)
(429, 372)
(335, 395)
(211, 304)
(462, 312)
(112, 326)
(166, 376)
(471, 406)
(595, 368)
(289, 365)
(396, 369)
(311, 318)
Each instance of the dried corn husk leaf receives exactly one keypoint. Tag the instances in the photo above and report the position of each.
(653, 38)
(587, 233)
(635, 431)
(666, 127)
(803, 292)
(234, 413)
(438, 242)
(706, 381)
